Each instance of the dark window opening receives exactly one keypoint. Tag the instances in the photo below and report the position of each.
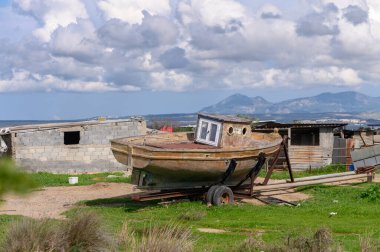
(306, 137)
(230, 130)
(214, 128)
(71, 137)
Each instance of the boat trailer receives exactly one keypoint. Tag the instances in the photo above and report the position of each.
(220, 194)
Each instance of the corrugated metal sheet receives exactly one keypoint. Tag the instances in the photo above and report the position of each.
(304, 157)
(271, 125)
(365, 157)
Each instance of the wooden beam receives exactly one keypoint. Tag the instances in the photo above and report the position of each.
(341, 174)
(311, 182)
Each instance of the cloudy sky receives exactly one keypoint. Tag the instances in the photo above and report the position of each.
(66, 59)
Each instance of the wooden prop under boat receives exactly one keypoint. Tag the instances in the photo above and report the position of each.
(200, 159)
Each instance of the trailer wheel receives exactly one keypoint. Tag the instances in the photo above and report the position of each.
(223, 195)
(210, 193)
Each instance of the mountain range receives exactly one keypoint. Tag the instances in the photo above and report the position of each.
(351, 102)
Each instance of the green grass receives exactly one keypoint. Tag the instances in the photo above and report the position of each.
(299, 174)
(46, 179)
(356, 216)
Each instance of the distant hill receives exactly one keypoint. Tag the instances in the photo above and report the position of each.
(352, 102)
(239, 103)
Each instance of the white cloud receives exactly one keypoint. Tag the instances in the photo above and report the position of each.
(15, 26)
(374, 18)
(116, 45)
(78, 41)
(170, 80)
(211, 12)
(52, 14)
(332, 76)
(23, 80)
(269, 11)
(130, 11)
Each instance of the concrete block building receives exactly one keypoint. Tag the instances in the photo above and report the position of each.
(75, 147)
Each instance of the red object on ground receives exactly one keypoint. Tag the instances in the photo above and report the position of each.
(167, 128)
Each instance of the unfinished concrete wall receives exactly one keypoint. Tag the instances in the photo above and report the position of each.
(326, 140)
(44, 150)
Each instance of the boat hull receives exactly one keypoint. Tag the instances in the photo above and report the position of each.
(172, 169)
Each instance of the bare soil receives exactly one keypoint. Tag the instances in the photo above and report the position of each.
(51, 202)
(285, 194)
(211, 230)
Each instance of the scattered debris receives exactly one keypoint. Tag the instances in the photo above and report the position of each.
(332, 214)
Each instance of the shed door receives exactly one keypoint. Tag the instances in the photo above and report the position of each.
(208, 132)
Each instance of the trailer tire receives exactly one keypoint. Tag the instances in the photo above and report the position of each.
(223, 195)
(210, 193)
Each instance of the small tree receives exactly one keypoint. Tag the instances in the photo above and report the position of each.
(12, 179)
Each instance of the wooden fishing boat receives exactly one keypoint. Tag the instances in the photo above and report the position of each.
(196, 159)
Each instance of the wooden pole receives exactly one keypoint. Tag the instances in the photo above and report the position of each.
(288, 161)
(341, 174)
(312, 182)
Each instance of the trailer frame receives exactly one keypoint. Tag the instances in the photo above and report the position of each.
(253, 190)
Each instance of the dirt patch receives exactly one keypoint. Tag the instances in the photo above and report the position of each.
(376, 178)
(211, 230)
(287, 195)
(51, 202)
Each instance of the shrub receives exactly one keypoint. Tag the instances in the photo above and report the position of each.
(321, 241)
(31, 235)
(372, 193)
(167, 238)
(251, 244)
(367, 244)
(127, 238)
(85, 232)
(13, 178)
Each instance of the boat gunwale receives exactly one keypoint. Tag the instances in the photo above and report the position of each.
(216, 150)
(207, 158)
(182, 150)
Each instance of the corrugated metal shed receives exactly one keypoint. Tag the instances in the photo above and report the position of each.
(317, 140)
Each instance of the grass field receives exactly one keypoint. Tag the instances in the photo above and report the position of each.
(45, 179)
(356, 217)
(356, 207)
(299, 174)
